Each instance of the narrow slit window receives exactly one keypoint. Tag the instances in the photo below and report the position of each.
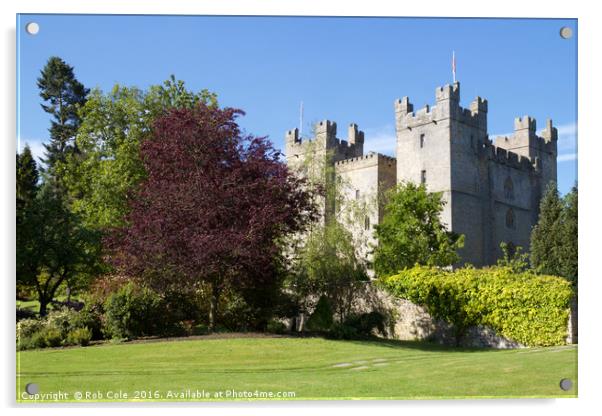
(421, 141)
(423, 177)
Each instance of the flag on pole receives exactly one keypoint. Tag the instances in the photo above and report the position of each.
(454, 65)
(301, 119)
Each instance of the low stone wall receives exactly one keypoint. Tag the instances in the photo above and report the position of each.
(411, 322)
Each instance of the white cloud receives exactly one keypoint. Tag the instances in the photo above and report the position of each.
(381, 140)
(567, 157)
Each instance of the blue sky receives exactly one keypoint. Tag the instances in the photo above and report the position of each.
(343, 69)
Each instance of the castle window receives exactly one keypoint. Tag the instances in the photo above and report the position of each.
(357, 194)
(367, 222)
(509, 189)
(510, 220)
(421, 141)
(423, 177)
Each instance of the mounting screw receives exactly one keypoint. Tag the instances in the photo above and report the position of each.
(566, 384)
(566, 32)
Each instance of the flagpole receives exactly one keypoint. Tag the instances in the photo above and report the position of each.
(301, 119)
(454, 65)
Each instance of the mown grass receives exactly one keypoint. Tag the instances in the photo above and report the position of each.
(312, 368)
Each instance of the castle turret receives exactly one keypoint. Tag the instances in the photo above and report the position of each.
(447, 100)
(355, 136)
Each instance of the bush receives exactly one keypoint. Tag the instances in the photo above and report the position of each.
(530, 309)
(367, 323)
(52, 337)
(341, 330)
(321, 319)
(133, 312)
(276, 327)
(79, 336)
(359, 326)
(27, 327)
(63, 320)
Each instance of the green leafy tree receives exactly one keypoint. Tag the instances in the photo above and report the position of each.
(63, 95)
(411, 232)
(547, 235)
(325, 259)
(53, 248)
(113, 127)
(328, 265)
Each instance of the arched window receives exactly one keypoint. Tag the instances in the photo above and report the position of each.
(509, 189)
(510, 220)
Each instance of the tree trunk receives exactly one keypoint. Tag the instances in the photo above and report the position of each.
(213, 308)
(43, 306)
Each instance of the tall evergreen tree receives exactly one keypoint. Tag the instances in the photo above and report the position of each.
(63, 95)
(569, 249)
(27, 178)
(546, 237)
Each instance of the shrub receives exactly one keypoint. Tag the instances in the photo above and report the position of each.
(366, 323)
(90, 317)
(52, 337)
(321, 319)
(63, 320)
(27, 327)
(133, 312)
(79, 336)
(530, 309)
(276, 327)
(341, 330)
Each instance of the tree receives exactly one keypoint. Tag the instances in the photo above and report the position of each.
(570, 232)
(27, 188)
(554, 240)
(64, 95)
(213, 209)
(113, 127)
(327, 265)
(52, 246)
(411, 232)
(27, 180)
(546, 236)
(326, 262)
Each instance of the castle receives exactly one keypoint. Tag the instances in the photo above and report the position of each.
(492, 189)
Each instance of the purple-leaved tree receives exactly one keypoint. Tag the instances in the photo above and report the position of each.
(215, 207)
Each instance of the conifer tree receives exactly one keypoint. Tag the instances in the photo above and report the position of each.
(569, 249)
(63, 95)
(546, 237)
(27, 178)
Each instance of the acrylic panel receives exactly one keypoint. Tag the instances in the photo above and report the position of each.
(227, 208)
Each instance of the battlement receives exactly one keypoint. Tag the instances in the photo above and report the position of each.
(550, 133)
(369, 159)
(511, 159)
(448, 92)
(325, 138)
(478, 105)
(525, 123)
(292, 136)
(447, 107)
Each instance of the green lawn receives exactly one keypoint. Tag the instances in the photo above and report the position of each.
(312, 368)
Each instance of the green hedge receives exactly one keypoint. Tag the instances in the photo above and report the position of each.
(530, 309)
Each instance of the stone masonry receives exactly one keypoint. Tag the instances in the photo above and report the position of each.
(492, 189)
